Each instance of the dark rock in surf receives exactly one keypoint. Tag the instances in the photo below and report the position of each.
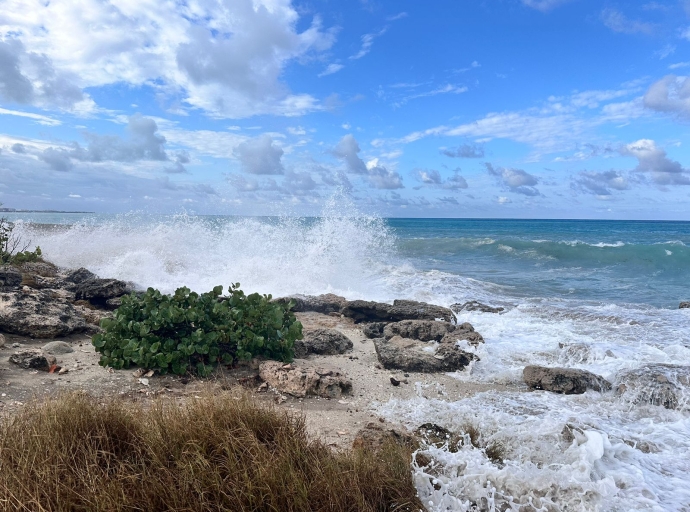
(327, 304)
(430, 330)
(10, 278)
(568, 381)
(684, 305)
(98, 291)
(79, 276)
(322, 342)
(374, 329)
(374, 437)
(415, 356)
(667, 385)
(366, 311)
(474, 305)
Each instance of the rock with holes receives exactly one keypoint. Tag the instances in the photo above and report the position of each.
(366, 311)
(38, 314)
(666, 385)
(10, 278)
(374, 329)
(422, 330)
(375, 436)
(322, 342)
(302, 381)
(327, 304)
(98, 291)
(684, 305)
(39, 268)
(411, 355)
(568, 381)
(33, 359)
(474, 305)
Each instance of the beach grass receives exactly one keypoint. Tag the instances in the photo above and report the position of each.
(212, 453)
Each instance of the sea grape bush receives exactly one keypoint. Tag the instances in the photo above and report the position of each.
(191, 332)
(13, 250)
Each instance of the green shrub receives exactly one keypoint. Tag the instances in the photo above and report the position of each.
(13, 250)
(191, 332)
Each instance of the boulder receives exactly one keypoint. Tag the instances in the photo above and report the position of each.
(563, 380)
(327, 303)
(422, 330)
(79, 276)
(375, 436)
(439, 437)
(366, 311)
(415, 356)
(57, 348)
(684, 305)
(10, 278)
(304, 381)
(374, 329)
(325, 342)
(39, 268)
(474, 305)
(470, 335)
(32, 359)
(100, 290)
(39, 314)
(667, 385)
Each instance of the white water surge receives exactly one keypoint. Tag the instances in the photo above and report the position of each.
(591, 452)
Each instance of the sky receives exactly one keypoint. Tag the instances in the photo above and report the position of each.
(445, 108)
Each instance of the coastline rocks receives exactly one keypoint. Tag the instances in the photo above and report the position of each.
(100, 290)
(38, 315)
(322, 342)
(327, 303)
(366, 311)
(301, 382)
(563, 380)
(415, 356)
(79, 276)
(422, 330)
(57, 348)
(474, 305)
(684, 305)
(39, 268)
(374, 329)
(657, 384)
(374, 437)
(32, 359)
(10, 278)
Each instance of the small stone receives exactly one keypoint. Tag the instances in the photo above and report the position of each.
(394, 381)
(16, 345)
(149, 373)
(139, 372)
(262, 387)
(32, 359)
(684, 305)
(144, 382)
(63, 371)
(57, 347)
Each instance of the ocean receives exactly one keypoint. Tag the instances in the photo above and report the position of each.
(596, 295)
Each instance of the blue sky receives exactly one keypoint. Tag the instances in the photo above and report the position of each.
(494, 108)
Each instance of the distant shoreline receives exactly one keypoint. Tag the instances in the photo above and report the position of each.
(13, 210)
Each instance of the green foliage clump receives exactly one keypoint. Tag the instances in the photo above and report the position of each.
(194, 332)
(13, 250)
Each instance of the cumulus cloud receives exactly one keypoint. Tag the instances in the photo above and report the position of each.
(57, 159)
(465, 151)
(600, 184)
(618, 22)
(30, 78)
(544, 5)
(18, 148)
(432, 177)
(260, 156)
(515, 180)
(379, 176)
(670, 94)
(652, 160)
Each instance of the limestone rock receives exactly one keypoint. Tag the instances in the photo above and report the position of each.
(57, 348)
(100, 290)
(422, 330)
(366, 311)
(375, 436)
(474, 305)
(322, 342)
(374, 329)
(327, 303)
(32, 359)
(39, 268)
(415, 356)
(79, 276)
(39, 314)
(470, 335)
(10, 278)
(684, 305)
(438, 436)
(667, 385)
(304, 381)
(564, 380)
(2, 341)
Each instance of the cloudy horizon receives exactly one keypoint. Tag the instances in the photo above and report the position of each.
(507, 108)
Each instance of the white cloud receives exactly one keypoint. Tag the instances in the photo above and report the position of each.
(223, 57)
(544, 5)
(260, 156)
(600, 184)
(516, 180)
(679, 65)
(330, 69)
(40, 119)
(378, 176)
(464, 151)
(670, 94)
(503, 200)
(653, 160)
(367, 42)
(618, 22)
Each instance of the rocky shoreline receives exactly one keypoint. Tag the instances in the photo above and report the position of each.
(354, 354)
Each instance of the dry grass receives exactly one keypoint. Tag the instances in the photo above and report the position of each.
(215, 453)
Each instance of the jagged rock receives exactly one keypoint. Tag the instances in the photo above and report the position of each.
(10, 278)
(474, 305)
(57, 348)
(365, 311)
(100, 290)
(322, 342)
(39, 314)
(92, 315)
(374, 437)
(438, 436)
(667, 385)
(33, 359)
(462, 333)
(684, 305)
(39, 268)
(327, 303)
(563, 380)
(374, 329)
(422, 330)
(38, 282)
(79, 276)
(415, 356)
(2, 341)
(304, 381)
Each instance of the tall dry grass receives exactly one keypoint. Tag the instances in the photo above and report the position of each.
(211, 454)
